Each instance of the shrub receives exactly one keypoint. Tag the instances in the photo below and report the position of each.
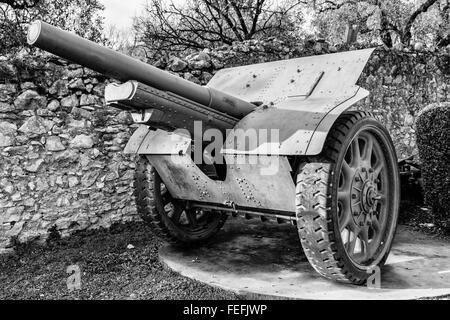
(433, 137)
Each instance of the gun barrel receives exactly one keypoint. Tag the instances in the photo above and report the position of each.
(124, 68)
(168, 111)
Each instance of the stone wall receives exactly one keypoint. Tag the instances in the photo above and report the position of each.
(61, 161)
(401, 84)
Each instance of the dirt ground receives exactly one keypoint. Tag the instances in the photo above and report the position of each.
(109, 270)
(421, 218)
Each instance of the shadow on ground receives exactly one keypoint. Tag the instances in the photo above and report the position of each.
(267, 260)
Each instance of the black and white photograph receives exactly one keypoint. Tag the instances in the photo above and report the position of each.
(235, 152)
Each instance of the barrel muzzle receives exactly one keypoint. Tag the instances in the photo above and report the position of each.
(33, 32)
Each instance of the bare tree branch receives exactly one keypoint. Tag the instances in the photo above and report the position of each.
(200, 24)
(396, 19)
(407, 35)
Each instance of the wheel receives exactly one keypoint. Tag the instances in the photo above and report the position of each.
(347, 200)
(168, 217)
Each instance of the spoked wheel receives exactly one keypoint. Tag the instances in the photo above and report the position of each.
(347, 200)
(168, 217)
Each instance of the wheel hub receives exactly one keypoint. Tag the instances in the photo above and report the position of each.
(368, 196)
(364, 195)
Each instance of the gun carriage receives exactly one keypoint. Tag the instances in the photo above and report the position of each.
(291, 151)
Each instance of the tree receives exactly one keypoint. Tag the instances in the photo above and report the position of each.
(79, 16)
(208, 23)
(402, 21)
(332, 20)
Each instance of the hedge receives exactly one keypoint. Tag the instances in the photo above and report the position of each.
(433, 141)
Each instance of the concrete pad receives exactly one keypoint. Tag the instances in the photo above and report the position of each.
(259, 260)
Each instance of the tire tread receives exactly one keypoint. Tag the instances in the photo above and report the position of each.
(313, 205)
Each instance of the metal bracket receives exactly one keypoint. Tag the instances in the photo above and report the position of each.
(143, 116)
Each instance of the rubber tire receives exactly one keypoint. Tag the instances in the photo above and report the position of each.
(316, 202)
(150, 208)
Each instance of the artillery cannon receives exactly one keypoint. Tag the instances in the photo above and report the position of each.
(283, 147)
